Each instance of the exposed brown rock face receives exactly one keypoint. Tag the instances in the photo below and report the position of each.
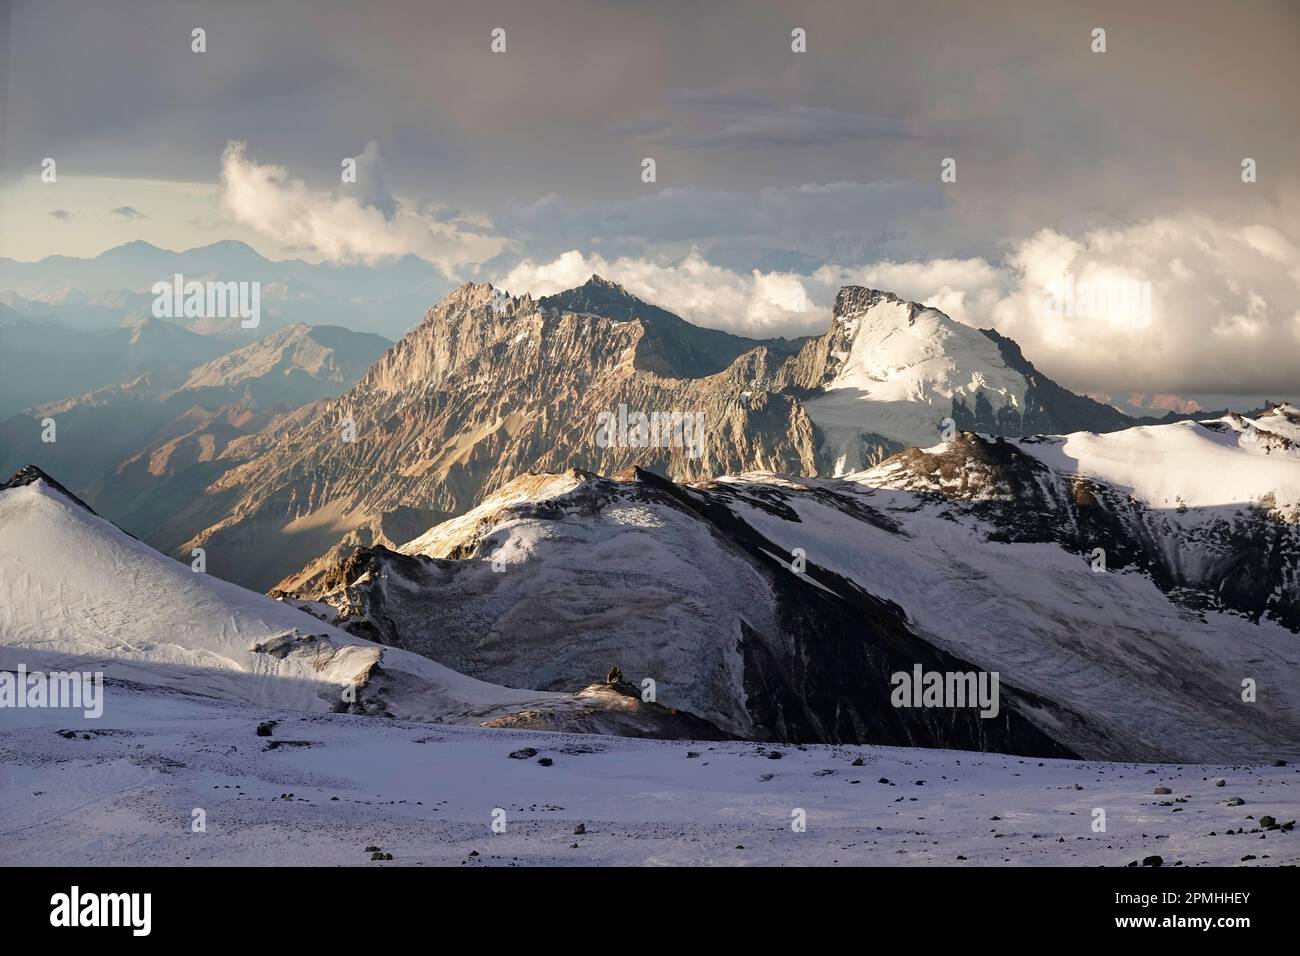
(490, 386)
(145, 448)
(486, 388)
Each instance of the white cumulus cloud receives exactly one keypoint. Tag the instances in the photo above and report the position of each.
(756, 304)
(340, 227)
(1222, 313)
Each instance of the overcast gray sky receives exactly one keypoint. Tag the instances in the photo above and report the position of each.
(779, 174)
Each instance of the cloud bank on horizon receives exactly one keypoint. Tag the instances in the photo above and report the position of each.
(1224, 303)
(780, 176)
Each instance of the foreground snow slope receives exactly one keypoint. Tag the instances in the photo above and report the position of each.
(337, 784)
(77, 592)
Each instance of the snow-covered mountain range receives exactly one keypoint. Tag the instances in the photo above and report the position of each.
(901, 491)
(889, 372)
(1061, 563)
(490, 386)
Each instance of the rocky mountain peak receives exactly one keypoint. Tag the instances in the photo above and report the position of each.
(326, 352)
(601, 296)
(490, 386)
(879, 328)
(469, 321)
(910, 368)
(598, 281)
(853, 300)
(670, 346)
(968, 467)
(470, 293)
(31, 474)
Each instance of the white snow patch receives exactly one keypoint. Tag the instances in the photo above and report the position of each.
(899, 379)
